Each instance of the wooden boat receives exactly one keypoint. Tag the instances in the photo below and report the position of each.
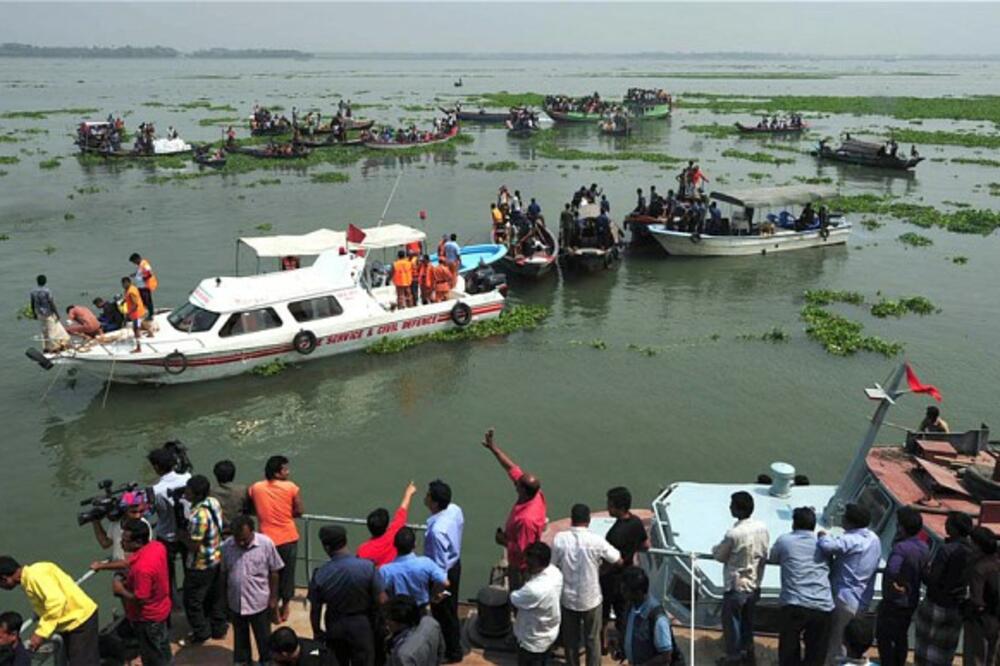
(298, 152)
(131, 154)
(275, 130)
(573, 116)
(210, 160)
(648, 111)
(788, 129)
(865, 153)
(476, 256)
(980, 484)
(536, 264)
(328, 143)
(392, 145)
(480, 116)
(639, 225)
(587, 252)
(349, 125)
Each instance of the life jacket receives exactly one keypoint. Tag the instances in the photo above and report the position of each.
(426, 276)
(402, 273)
(133, 303)
(148, 275)
(442, 278)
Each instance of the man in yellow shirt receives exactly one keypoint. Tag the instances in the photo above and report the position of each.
(62, 608)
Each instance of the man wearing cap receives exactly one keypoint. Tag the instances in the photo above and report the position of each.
(134, 507)
(348, 588)
(527, 517)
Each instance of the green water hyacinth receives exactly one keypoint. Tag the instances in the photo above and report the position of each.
(519, 317)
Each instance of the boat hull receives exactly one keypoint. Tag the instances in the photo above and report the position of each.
(535, 267)
(750, 129)
(474, 256)
(681, 243)
(378, 145)
(591, 260)
(650, 112)
(114, 363)
(877, 161)
(485, 117)
(573, 116)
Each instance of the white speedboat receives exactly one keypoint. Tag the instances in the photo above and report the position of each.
(230, 325)
(738, 234)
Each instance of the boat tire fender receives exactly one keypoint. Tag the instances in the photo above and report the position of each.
(175, 363)
(39, 358)
(304, 342)
(461, 314)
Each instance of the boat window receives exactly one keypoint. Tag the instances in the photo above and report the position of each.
(315, 308)
(877, 502)
(189, 318)
(252, 321)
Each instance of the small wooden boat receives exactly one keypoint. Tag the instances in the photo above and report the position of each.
(210, 160)
(328, 143)
(475, 256)
(980, 484)
(573, 116)
(586, 250)
(786, 129)
(639, 224)
(393, 145)
(298, 152)
(865, 153)
(349, 125)
(274, 130)
(521, 132)
(131, 154)
(480, 116)
(531, 262)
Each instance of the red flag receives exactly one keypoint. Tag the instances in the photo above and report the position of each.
(917, 387)
(355, 235)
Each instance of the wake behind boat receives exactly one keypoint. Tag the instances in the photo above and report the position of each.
(704, 232)
(230, 325)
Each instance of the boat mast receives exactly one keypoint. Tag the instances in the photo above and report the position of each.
(858, 470)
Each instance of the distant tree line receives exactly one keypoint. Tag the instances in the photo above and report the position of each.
(15, 50)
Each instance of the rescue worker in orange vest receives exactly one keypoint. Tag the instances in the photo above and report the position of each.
(426, 278)
(442, 281)
(414, 256)
(135, 310)
(145, 281)
(402, 277)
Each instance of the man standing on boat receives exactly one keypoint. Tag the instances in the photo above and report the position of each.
(443, 544)
(453, 253)
(527, 517)
(402, 278)
(145, 281)
(743, 552)
(43, 309)
(856, 555)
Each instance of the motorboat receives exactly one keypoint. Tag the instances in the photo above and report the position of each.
(739, 235)
(531, 256)
(925, 471)
(866, 153)
(477, 255)
(585, 247)
(231, 325)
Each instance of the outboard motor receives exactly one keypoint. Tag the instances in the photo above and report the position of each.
(483, 280)
(39, 358)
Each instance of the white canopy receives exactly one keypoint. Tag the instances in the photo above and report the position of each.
(390, 235)
(313, 243)
(775, 196)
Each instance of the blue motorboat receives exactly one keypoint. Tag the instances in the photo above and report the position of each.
(474, 256)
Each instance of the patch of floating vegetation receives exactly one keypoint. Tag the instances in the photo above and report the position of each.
(9, 159)
(519, 317)
(914, 304)
(53, 163)
(330, 177)
(871, 224)
(978, 161)
(504, 99)
(42, 114)
(763, 158)
(713, 130)
(546, 147)
(960, 260)
(208, 106)
(219, 120)
(938, 137)
(269, 369)
(914, 240)
(966, 220)
(815, 180)
(776, 334)
(503, 165)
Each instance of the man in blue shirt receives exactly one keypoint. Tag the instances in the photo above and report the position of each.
(415, 576)
(453, 253)
(648, 639)
(901, 588)
(443, 545)
(806, 600)
(349, 589)
(856, 555)
(534, 210)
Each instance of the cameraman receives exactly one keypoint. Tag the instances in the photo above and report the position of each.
(204, 582)
(133, 506)
(164, 462)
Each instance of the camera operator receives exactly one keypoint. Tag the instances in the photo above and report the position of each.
(133, 507)
(204, 582)
(167, 503)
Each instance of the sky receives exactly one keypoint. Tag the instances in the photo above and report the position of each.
(820, 28)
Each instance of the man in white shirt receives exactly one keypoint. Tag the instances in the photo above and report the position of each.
(579, 553)
(164, 461)
(743, 552)
(537, 602)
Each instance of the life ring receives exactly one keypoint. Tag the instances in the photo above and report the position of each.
(304, 342)
(175, 363)
(461, 314)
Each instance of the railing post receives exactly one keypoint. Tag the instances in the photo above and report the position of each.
(308, 529)
(693, 583)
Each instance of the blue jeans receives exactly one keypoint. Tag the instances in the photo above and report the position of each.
(737, 624)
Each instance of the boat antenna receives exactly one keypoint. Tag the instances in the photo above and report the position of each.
(388, 202)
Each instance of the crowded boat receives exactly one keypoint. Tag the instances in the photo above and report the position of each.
(263, 122)
(522, 120)
(588, 238)
(532, 250)
(787, 124)
(885, 155)
(443, 129)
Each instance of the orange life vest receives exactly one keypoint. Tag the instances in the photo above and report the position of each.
(148, 276)
(133, 303)
(402, 273)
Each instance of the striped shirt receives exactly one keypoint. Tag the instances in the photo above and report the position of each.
(204, 528)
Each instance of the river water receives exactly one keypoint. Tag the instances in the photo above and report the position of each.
(571, 401)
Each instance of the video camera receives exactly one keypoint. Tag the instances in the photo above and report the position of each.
(108, 503)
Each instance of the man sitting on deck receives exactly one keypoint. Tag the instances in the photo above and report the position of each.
(82, 322)
(933, 422)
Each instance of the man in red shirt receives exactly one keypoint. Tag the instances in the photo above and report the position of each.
(146, 593)
(380, 549)
(527, 517)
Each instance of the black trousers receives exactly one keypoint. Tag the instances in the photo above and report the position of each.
(446, 614)
(82, 643)
(892, 628)
(147, 299)
(175, 551)
(288, 553)
(154, 643)
(260, 624)
(351, 640)
(798, 625)
(205, 602)
(526, 658)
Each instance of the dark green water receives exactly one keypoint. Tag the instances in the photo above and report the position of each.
(708, 405)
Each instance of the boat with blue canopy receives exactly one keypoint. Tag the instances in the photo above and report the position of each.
(476, 256)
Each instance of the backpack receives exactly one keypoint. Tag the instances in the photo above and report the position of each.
(676, 656)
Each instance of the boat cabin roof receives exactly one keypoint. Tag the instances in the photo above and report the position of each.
(857, 146)
(325, 240)
(775, 196)
(331, 271)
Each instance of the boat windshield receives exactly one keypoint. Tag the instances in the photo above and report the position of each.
(189, 318)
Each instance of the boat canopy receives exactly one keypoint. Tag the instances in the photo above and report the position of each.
(390, 235)
(775, 196)
(332, 271)
(856, 146)
(312, 243)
